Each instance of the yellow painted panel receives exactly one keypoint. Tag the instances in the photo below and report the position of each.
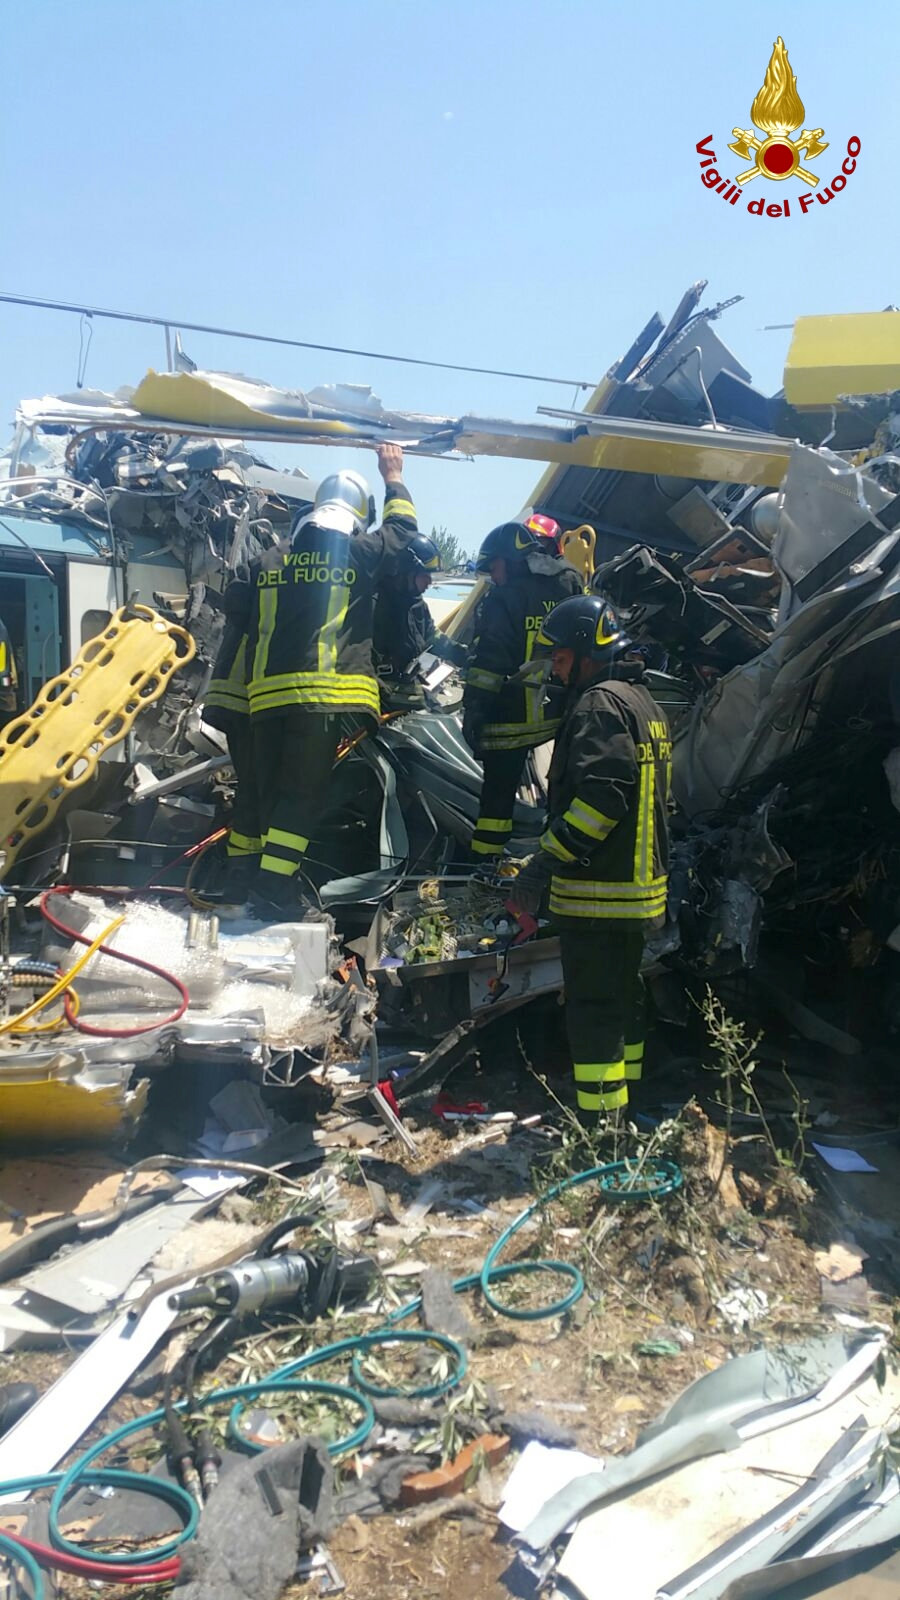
(597, 403)
(854, 354)
(59, 1111)
(697, 459)
(192, 400)
(185, 397)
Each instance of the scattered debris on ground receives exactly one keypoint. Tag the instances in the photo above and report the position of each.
(311, 1281)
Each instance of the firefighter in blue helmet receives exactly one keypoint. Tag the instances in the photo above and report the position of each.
(604, 853)
(403, 626)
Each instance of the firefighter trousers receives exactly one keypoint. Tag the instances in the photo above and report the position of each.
(245, 839)
(294, 756)
(502, 775)
(604, 1010)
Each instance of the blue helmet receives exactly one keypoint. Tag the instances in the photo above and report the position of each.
(420, 555)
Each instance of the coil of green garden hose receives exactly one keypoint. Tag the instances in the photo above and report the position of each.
(617, 1182)
(16, 1555)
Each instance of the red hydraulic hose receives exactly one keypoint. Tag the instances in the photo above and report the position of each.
(82, 1566)
(120, 955)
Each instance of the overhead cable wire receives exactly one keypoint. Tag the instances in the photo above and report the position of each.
(294, 344)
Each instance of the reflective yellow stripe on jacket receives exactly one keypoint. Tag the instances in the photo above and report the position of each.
(231, 693)
(338, 606)
(480, 678)
(516, 735)
(331, 691)
(644, 898)
(589, 821)
(626, 902)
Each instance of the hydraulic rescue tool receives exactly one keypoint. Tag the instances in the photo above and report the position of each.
(311, 1283)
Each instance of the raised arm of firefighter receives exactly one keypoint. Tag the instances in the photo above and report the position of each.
(398, 525)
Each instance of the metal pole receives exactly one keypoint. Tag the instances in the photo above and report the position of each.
(169, 366)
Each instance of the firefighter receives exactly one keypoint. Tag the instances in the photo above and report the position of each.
(309, 656)
(403, 626)
(605, 848)
(503, 721)
(546, 528)
(9, 681)
(227, 707)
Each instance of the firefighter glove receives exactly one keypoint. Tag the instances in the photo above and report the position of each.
(527, 889)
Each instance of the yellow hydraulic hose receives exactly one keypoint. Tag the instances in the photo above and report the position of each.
(53, 1024)
(14, 1024)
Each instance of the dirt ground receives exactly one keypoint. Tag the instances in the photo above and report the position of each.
(666, 1284)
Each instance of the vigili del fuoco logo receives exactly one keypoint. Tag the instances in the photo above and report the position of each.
(778, 151)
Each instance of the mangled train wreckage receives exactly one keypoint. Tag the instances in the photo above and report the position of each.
(752, 544)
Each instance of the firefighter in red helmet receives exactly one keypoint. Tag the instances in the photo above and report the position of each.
(503, 720)
(545, 528)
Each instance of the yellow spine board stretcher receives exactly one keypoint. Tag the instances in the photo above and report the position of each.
(578, 546)
(55, 746)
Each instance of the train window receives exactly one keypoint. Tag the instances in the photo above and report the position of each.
(92, 623)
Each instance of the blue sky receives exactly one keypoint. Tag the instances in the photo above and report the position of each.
(509, 184)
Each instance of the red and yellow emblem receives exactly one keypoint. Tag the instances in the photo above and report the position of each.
(777, 111)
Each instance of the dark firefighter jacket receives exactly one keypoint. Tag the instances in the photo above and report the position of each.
(227, 698)
(309, 643)
(608, 808)
(514, 716)
(8, 676)
(403, 627)
(309, 637)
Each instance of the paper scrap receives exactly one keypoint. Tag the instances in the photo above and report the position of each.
(208, 1183)
(429, 1193)
(842, 1260)
(539, 1473)
(842, 1160)
(742, 1307)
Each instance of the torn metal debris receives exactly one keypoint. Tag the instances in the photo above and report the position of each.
(750, 542)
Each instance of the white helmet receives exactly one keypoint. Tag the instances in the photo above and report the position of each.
(342, 493)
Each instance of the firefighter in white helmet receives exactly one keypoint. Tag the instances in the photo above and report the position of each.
(309, 657)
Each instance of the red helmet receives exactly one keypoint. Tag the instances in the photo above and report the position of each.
(545, 528)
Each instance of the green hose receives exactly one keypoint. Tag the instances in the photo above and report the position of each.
(16, 1553)
(661, 1178)
(617, 1181)
(83, 1467)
